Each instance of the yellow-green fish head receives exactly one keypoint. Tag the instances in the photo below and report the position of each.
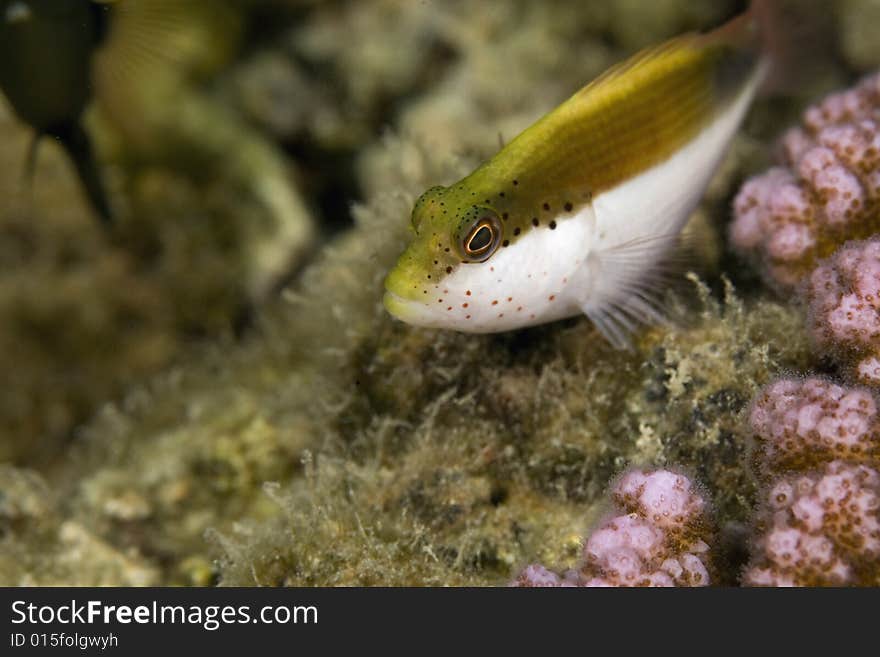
(449, 233)
(482, 261)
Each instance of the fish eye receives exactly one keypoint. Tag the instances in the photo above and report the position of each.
(482, 239)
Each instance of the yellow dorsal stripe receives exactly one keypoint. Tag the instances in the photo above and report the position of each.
(634, 116)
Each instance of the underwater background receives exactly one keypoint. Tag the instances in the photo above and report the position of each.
(207, 389)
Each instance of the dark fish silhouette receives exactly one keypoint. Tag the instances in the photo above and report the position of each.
(46, 48)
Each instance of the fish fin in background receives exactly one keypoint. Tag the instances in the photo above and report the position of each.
(76, 143)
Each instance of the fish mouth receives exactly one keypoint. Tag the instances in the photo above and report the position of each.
(401, 308)
(396, 300)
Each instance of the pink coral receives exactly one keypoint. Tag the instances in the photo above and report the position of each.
(826, 192)
(823, 530)
(658, 540)
(800, 424)
(843, 294)
(819, 521)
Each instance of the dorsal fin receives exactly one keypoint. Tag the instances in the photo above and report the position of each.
(634, 62)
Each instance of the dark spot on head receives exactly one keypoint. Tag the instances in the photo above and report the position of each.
(439, 300)
(449, 270)
(429, 275)
(516, 231)
(501, 194)
(535, 221)
(546, 206)
(552, 225)
(446, 249)
(505, 243)
(435, 262)
(568, 207)
(515, 183)
(504, 216)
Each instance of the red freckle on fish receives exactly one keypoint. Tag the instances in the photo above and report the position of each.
(468, 293)
(532, 316)
(552, 296)
(450, 308)
(445, 291)
(464, 305)
(495, 302)
(565, 280)
(509, 299)
(501, 315)
(518, 308)
(491, 268)
(467, 317)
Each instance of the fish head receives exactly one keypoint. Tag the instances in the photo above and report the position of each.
(478, 267)
(428, 287)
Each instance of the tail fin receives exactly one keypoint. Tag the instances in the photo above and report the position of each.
(794, 37)
(79, 148)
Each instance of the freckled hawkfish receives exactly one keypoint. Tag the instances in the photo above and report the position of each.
(575, 214)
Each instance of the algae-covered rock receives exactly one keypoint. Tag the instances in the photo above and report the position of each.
(39, 547)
